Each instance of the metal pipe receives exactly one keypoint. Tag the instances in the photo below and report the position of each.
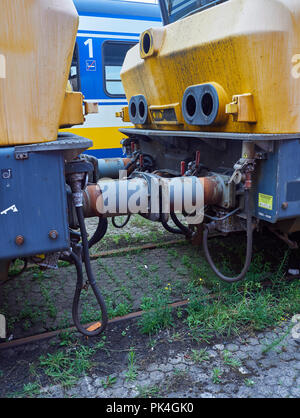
(111, 167)
(141, 195)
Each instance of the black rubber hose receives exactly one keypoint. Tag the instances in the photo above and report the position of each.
(249, 247)
(99, 233)
(123, 224)
(186, 231)
(91, 280)
(170, 229)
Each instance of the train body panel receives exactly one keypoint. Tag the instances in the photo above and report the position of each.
(32, 67)
(107, 29)
(248, 47)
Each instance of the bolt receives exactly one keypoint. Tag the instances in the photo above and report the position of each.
(19, 240)
(53, 234)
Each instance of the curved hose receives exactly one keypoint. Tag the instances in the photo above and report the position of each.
(170, 229)
(186, 231)
(123, 224)
(249, 247)
(99, 233)
(92, 282)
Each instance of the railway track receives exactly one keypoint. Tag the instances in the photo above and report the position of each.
(133, 315)
(182, 303)
(47, 335)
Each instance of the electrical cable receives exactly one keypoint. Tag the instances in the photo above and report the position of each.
(248, 252)
(186, 231)
(91, 281)
(170, 229)
(99, 233)
(123, 224)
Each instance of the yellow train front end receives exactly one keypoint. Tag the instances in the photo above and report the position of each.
(245, 53)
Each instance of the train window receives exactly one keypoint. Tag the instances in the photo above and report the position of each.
(173, 10)
(74, 77)
(113, 57)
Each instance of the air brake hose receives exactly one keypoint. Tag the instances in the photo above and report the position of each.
(113, 220)
(170, 229)
(186, 231)
(249, 246)
(91, 280)
(99, 233)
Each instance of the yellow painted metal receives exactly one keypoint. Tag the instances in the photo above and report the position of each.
(37, 39)
(72, 113)
(242, 108)
(244, 46)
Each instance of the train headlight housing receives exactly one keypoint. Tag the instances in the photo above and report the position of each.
(151, 42)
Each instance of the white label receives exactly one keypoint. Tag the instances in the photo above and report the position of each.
(2, 327)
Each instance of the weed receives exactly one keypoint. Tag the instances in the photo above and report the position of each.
(158, 313)
(217, 375)
(29, 390)
(148, 391)
(66, 338)
(109, 381)
(249, 382)
(229, 360)
(198, 356)
(65, 367)
(181, 373)
(277, 341)
(132, 372)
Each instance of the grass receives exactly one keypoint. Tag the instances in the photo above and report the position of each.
(109, 382)
(199, 356)
(241, 306)
(158, 313)
(65, 367)
(132, 371)
(230, 360)
(148, 391)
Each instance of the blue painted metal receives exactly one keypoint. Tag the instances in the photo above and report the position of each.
(118, 9)
(32, 203)
(278, 178)
(105, 153)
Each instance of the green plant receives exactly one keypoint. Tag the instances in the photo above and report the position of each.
(158, 313)
(147, 391)
(249, 382)
(29, 390)
(229, 360)
(217, 375)
(132, 372)
(198, 356)
(65, 367)
(109, 381)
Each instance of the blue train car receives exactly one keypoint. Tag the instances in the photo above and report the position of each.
(107, 30)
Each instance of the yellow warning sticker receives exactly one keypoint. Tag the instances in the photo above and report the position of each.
(265, 201)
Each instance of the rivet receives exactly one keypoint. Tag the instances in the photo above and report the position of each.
(19, 240)
(53, 234)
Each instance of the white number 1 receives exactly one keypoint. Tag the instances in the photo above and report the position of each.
(89, 42)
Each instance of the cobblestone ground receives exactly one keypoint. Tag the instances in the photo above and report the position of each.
(239, 369)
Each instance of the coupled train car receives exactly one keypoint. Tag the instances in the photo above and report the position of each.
(214, 107)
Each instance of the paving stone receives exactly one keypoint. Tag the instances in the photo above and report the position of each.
(207, 395)
(253, 341)
(157, 376)
(212, 353)
(232, 347)
(275, 375)
(219, 347)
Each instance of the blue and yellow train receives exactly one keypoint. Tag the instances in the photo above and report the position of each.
(107, 30)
